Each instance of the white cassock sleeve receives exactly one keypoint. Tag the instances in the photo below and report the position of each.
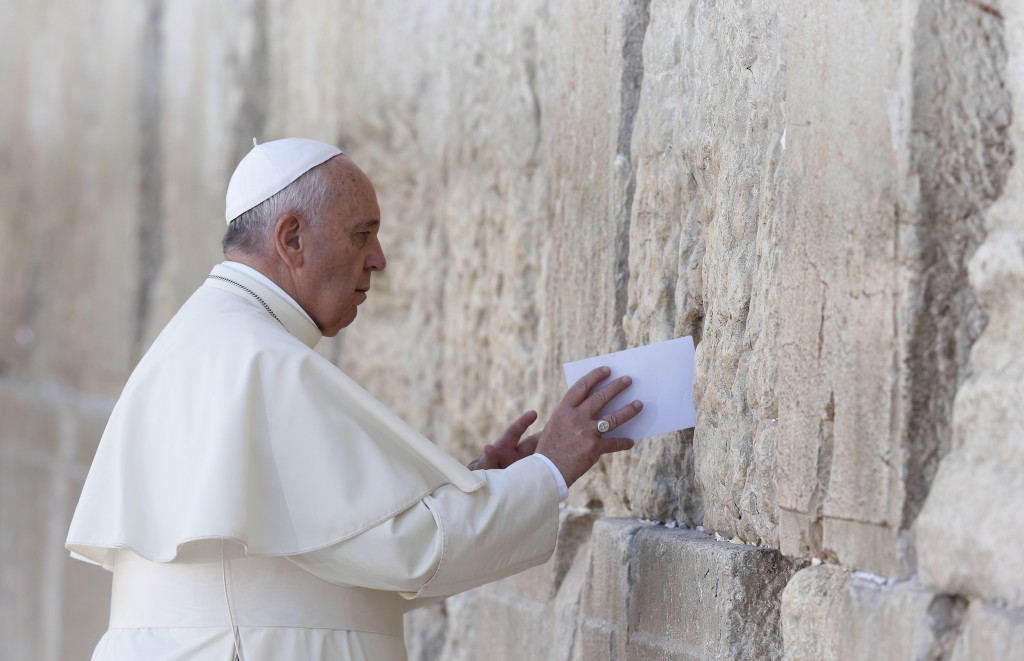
(451, 540)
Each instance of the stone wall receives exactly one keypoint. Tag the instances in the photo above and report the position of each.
(824, 194)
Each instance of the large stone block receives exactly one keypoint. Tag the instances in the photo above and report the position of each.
(830, 614)
(656, 593)
(990, 632)
(604, 618)
(703, 250)
(881, 217)
(968, 532)
(635, 591)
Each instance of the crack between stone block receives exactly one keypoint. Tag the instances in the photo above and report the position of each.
(945, 620)
(630, 582)
(150, 236)
(636, 17)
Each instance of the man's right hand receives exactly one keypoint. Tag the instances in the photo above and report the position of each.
(571, 439)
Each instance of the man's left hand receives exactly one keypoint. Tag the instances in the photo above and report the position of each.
(511, 447)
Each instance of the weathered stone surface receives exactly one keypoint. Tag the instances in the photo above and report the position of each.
(203, 83)
(990, 632)
(691, 595)
(969, 530)
(53, 606)
(898, 144)
(829, 614)
(68, 155)
(635, 591)
(703, 250)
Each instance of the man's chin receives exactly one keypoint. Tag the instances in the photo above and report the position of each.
(344, 323)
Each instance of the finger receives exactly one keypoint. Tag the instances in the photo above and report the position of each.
(609, 445)
(623, 415)
(516, 430)
(477, 463)
(600, 398)
(488, 459)
(579, 390)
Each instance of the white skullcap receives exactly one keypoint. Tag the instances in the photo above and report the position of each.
(270, 167)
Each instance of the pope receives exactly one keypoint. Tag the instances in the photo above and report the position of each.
(254, 502)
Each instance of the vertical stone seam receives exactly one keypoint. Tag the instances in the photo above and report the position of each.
(636, 18)
(150, 236)
(628, 551)
(54, 556)
(253, 76)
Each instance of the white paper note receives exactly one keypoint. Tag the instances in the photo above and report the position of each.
(662, 376)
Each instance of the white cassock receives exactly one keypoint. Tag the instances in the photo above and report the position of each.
(248, 495)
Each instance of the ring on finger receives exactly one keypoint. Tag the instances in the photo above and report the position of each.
(603, 426)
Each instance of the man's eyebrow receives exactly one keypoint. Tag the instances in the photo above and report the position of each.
(367, 224)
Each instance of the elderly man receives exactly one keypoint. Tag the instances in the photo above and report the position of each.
(253, 502)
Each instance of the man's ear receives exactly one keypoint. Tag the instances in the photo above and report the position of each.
(289, 239)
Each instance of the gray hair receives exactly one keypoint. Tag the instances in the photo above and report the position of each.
(250, 233)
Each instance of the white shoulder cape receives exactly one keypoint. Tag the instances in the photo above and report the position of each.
(232, 427)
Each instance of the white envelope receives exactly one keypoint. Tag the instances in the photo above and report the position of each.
(662, 379)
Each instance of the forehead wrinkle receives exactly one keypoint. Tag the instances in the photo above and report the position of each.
(348, 180)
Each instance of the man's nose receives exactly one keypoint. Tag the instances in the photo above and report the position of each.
(376, 261)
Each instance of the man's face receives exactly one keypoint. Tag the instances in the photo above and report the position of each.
(344, 251)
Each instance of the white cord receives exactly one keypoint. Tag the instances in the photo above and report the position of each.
(227, 597)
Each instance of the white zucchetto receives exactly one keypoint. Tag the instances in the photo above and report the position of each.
(269, 167)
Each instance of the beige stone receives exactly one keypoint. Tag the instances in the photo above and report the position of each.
(702, 252)
(990, 632)
(54, 607)
(829, 614)
(968, 533)
(879, 229)
(69, 166)
(621, 599)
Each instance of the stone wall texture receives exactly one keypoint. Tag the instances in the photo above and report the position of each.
(825, 194)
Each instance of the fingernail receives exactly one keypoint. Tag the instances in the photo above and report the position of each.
(627, 380)
(638, 405)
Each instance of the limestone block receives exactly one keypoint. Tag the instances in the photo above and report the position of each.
(881, 217)
(623, 598)
(656, 593)
(838, 340)
(54, 607)
(968, 533)
(703, 248)
(69, 198)
(990, 632)
(730, 591)
(604, 617)
(828, 614)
